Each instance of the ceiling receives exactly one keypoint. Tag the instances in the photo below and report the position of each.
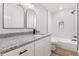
(54, 7)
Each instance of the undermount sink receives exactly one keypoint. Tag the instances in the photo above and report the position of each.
(38, 35)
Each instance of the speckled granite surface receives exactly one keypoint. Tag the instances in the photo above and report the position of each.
(14, 34)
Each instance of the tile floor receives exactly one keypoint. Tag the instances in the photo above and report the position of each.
(63, 52)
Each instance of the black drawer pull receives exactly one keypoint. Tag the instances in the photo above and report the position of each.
(23, 52)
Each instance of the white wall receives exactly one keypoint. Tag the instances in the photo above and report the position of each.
(78, 28)
(42, 20)
(9, 30)
(70, 24)
(49, 22)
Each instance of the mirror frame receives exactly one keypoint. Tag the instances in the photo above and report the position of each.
(3, 17)
(33, 21)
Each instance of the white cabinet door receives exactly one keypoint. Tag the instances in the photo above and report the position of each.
(47, 50)
(39, 48)
(42, 47)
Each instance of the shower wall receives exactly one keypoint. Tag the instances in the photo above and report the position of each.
(70, 24)
(78, 25)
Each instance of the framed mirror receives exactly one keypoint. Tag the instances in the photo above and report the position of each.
(31, 19)
(13, 16)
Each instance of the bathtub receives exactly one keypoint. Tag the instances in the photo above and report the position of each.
(65, 43)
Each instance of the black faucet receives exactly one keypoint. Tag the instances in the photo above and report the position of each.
(74, 38)
(34, 31)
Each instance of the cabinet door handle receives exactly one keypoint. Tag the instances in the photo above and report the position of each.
(23, 52)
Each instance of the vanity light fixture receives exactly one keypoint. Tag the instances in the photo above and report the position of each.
(28, 5)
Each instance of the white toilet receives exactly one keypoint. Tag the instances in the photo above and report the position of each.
(53, 44)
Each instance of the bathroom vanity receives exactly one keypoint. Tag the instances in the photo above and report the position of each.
(18, 17)
(23, 44)
(42, 45)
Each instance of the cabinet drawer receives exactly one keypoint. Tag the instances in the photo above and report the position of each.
(22, 51)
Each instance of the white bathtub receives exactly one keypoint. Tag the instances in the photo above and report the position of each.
(65, 43)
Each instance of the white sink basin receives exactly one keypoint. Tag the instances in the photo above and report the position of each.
(38, 35)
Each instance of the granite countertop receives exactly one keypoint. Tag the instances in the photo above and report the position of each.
(15, 34)
(10, 43)
(40, 36)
